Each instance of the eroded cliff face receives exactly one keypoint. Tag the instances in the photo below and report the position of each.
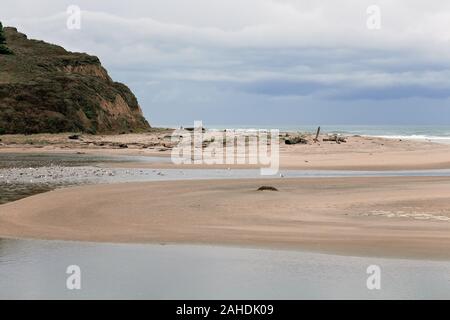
(44, 88)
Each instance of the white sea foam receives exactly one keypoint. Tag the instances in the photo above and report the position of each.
(440, 139)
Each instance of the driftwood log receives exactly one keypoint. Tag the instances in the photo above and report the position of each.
(336, 139)
(295, 140)
(191, 129)
(267, 188)
(316, 139)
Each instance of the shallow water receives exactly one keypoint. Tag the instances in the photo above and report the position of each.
(31, 269)
(37, 269)
(19, 183)
(23, 175)
(15, 191)
(35, 160)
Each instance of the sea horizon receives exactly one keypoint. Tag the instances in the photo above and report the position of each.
(416, 132)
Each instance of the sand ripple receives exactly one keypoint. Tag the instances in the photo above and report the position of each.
(402, 214)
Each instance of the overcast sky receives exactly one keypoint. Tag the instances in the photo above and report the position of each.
(262, 61)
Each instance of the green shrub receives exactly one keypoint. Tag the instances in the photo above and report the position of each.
(3, 48)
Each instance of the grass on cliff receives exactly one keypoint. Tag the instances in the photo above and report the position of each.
(40, 92)
(3, 46)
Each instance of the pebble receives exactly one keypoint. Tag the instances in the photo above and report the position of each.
(67, 174)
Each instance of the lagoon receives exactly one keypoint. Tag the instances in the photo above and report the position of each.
(34, 269)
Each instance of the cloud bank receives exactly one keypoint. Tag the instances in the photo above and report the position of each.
(201, 58)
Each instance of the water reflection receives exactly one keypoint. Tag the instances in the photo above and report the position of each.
(36, 269)
(15, 191)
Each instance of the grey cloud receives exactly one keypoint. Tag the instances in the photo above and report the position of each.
(247, 53)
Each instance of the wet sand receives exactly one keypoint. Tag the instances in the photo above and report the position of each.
(387, 217)
(373, 216)
(358, 153)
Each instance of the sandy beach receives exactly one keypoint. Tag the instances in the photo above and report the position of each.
(387, 217)
(373, 216)
(358, 153)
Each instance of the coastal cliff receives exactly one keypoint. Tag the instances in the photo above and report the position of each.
(45, 88)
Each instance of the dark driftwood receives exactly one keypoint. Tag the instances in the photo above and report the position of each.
(193, 129)
(295, 140)
(316, 139)
(267, 188)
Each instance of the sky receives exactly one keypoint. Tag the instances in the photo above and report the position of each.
(262, 62)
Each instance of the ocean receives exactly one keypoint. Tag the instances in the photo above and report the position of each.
(435, 133)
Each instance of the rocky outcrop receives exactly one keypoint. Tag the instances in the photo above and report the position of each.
(44, 88)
